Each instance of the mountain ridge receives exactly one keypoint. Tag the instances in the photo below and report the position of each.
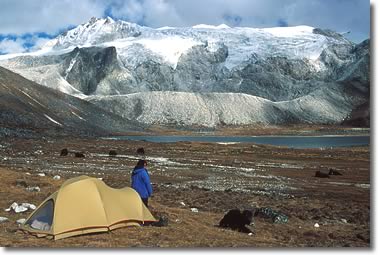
(30, 109)
(104, 57)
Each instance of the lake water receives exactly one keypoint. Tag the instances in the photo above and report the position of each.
(290, 141)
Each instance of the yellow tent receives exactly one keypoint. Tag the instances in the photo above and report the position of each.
(86, 205)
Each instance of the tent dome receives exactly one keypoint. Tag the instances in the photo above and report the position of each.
(86, 205)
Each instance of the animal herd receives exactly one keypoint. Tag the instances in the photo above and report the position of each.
(112, 153)
(332, 171)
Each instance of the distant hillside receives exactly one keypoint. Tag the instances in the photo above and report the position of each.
(301, 74)
(27, 108)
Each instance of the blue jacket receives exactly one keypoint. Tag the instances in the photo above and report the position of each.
(141, 182)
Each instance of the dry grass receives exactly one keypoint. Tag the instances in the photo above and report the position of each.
(315, 200)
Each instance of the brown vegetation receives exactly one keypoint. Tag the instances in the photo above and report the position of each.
(210, 177)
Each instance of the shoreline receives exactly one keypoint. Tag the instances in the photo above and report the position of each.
(296, 130)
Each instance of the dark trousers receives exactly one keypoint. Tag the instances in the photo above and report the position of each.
(145, 201)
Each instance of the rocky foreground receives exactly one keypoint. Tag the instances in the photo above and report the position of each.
(212, 178)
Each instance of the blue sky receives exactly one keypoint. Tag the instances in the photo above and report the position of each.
(27, 24)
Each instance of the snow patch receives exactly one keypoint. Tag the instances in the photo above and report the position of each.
(289, 31)
(52, 120)
(170, 48)
(165, 28)
(77, 116)
(26, 94)
(363, 185)
(72, 63)
(204, 26)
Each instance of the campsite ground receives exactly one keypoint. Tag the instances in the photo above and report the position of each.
(210, 177)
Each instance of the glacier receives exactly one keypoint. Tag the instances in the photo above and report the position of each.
(204, 75)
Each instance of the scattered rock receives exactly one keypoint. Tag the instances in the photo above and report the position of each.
(28, 205)
(38, 152)
(20, 208)
(13, 206)
(277, 217)
(20, 221)
(344, 221)
(3, 219)
(56, 177)
(194, 210)
(182, 203)
(41, 174)
(35, 189)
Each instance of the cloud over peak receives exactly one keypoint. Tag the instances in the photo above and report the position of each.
(20, 17)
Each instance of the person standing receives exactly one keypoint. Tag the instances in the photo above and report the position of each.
(141, 181)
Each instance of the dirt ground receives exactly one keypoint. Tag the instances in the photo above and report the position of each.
(208, 176)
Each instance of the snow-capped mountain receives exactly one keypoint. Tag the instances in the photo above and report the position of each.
(284, 71)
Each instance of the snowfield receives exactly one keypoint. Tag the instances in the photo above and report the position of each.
(204, 75)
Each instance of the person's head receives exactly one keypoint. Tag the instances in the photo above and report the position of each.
(141, 163)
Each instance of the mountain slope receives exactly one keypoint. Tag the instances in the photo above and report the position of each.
(215, 109)
(284, 65)
(29, 108)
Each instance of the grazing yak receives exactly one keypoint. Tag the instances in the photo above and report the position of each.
(334, 172)
(140, 151)
(79, 155)
(112, 153)
(321, 174)
(64, 152)
(237, 220)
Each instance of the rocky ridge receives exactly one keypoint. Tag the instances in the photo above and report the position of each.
(295, 74)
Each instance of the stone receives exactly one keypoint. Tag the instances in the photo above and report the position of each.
(3, 219)
(194, 210)
(21, 221)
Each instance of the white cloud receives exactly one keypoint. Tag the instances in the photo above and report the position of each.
(39, 42)
(338, 15)
(11, 46)
(153, 13)
(30, 16)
